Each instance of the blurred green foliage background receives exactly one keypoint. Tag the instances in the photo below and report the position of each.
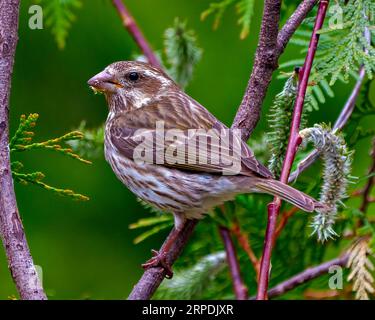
(85, 248)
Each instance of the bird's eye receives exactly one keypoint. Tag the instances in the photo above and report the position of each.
(133, 76)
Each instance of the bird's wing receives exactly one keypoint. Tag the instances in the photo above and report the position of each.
(214, 148)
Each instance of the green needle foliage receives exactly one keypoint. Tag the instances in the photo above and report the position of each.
(59, 17)
(244, 8)
(23, 141)
(192, 282)
(182, 52)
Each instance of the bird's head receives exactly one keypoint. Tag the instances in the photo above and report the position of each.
(130, 84)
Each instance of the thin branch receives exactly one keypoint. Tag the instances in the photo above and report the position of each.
(239, 287)
(283, 221)
(306, 275)
(12, 233)
(243, 241)
(270, 46)
(293, 23)
(136, 33)
(152, 278)
(294, 141)
(342, 119)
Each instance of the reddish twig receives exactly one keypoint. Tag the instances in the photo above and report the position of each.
(293, 144)
(321, 294)
(239, 287)
(306, 275)
(243, 241)
(136, 33)
(283, 221)
(12, 233)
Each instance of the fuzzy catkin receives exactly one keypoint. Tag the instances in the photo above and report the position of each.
(336, 171)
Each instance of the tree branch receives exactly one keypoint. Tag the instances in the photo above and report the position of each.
(243, 241)
(136, 33)
(12, 233)
(265, 63)
(293, 144)
(270, 46)
(152, 278)
(239, 287)
(306, 275)
(293, 23)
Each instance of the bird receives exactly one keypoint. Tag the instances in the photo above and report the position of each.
(139, 97)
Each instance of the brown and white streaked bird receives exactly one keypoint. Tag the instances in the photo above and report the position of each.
(139, 95)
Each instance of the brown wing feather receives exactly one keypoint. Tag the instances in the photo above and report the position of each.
(183, 113)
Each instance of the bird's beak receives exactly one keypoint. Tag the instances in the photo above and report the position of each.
(104, 82)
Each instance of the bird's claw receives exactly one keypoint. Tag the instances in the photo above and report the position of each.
(159, 259)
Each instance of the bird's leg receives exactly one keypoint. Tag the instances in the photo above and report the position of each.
(159, 258)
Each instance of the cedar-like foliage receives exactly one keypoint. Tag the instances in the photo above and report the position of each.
(59, 17)
(23, 141)
(182, 52)
(361, 267)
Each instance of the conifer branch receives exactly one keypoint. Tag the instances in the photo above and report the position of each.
(239, 287)
(361, 267)
(294, 141)
(134, 30)
(18, 254)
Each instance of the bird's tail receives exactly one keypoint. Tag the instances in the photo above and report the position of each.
(289, 194)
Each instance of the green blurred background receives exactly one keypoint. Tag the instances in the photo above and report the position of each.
(86, 249)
